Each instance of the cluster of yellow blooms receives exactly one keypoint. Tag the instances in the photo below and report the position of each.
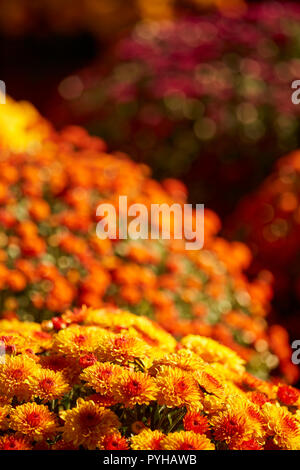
(112, 380)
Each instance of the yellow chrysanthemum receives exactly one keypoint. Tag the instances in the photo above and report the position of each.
(186, 440)
(223, 372)
(184, 359)
(35, 421)
(212, 351)
(147, 440)
(134, 388)
(114, 319)
(121, 348)
(153, 334)
(230, 426)
(177, 388)
(209, 382)
(102, 376)
(282, 426)
(117, 320)
(251, 383)
(76, 341)
(87, 423)
(14, 374)
(16, 326)
(14, 343)
(47, 385)
(253, 412)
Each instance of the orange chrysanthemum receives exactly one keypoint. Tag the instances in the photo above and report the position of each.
(287, 395)
(121, 348)
(14, 374)
(14, 442)
(114, 441)
(134, 388)
(47, 385)
(147, 440)
(209, 382)
(35, 421)
(177, 388)
(196, 422)
(101, 376)
(282, 427)
(230, 426)
(186, 440)
(87, 423)
(76, 341)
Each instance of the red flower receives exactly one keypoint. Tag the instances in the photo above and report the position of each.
(287, 395)
(195, 422)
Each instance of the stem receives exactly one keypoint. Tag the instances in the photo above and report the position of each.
(177, 420)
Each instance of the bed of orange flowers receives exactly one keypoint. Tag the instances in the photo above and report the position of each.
(112, 380)
(51, 259)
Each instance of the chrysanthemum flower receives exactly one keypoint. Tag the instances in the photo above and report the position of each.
(121, 348)
(102, 376)
(230, 426)
(183, 359)
(147, 440)
(35, 421)
(287, 395)
(254, 417)
(76, 341)
(132, 388)
(196, 422)
(47, 385)
(87, 423)
(87, 360)
(282, 426)
(14, 373)
(209, 382)
(14, 442)
(186, 440)
(14, 343)
(117, 320)
(113, 441)
(177, 388)
(258, 398)
(212, 351)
